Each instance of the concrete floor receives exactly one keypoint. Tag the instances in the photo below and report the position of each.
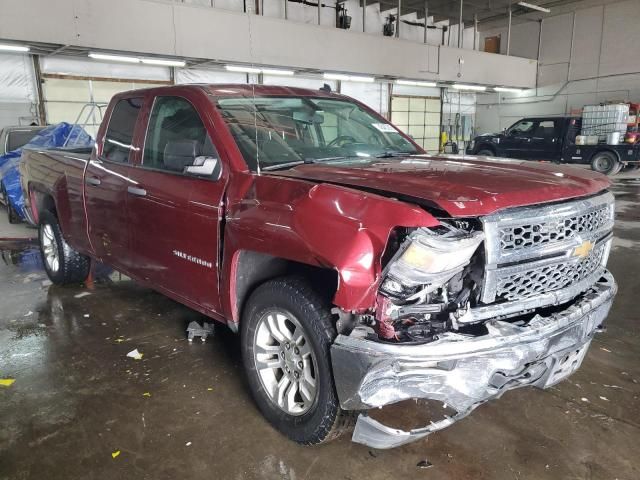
(183, 411)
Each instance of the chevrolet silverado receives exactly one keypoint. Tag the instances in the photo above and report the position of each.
(359, 271)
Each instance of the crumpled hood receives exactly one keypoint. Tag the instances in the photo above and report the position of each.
(463, 186)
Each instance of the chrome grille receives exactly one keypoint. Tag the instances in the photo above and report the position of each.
(555, 230)
(532, 251)
(530, 283)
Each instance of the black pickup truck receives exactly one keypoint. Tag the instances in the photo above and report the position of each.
(553, 139)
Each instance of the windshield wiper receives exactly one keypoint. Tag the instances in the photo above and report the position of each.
(392, 154)
(279, 166)
(306, 161)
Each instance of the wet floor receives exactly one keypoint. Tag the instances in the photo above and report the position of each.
(183, 410)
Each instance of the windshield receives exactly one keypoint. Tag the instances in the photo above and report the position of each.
(19, 138)
(284, 131)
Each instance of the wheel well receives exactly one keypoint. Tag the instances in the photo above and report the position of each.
(486, 146)
(43, 202)
(254, 268)
(606, 150)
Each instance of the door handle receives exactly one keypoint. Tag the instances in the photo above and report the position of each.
(93, 181)
(140, 192)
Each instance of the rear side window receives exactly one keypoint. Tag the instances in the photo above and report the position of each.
(173, 122)
(119, 138)
(19, 138)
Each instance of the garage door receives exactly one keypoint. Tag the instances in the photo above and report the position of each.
(64, 97)
(418, 117)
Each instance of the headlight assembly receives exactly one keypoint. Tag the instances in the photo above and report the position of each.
(430, 259)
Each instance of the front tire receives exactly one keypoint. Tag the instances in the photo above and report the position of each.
(287, 331)
(61, 262)
(485, 152)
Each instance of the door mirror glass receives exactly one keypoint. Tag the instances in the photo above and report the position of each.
(205, 167)
(180, 154)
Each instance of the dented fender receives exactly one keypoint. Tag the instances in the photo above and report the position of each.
(323, 225)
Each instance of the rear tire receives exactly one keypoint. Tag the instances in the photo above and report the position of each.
(606, 163)
(287, 332)
(61, 262)
(12, 214)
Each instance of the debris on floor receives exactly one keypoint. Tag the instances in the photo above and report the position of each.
(6, 382)
(135, 354)
(115, 454)
(194, 329)
(424, 464)
(82, 294)
(188, 444)
(146, 394)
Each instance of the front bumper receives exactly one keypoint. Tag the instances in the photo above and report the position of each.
(462, 371)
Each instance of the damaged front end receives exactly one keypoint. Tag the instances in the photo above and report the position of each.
(474, 308)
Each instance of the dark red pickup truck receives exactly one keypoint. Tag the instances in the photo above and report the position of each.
(359, 271)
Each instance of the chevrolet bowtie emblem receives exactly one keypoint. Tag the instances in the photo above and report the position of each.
(583, 249)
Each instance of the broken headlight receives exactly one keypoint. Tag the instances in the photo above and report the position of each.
(429, 259)
(426, 282)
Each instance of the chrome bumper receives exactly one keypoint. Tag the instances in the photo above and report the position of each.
(461, 371)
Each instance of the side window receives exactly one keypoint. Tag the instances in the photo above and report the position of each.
(175, 135)
(522, 128)
(119, 137)
(546, 129)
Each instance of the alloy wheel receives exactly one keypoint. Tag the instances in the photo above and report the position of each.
(285, 362)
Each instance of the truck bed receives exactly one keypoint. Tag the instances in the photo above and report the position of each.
(57, 172)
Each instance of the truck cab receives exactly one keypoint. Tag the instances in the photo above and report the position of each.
(532, 138)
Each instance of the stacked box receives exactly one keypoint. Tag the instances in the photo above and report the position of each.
(601, 120)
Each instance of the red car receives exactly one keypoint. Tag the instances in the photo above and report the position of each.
(358, 270)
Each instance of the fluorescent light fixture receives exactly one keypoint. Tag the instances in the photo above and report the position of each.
(162, 62)
(14, 48)
(356, 78)
(415, 83)
(276, 71)
(113, 58)
(241, 69)
(507, 89)
(462, 86)
(336, 76)
(348, 78)
(534, 7)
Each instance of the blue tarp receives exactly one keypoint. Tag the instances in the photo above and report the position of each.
(54, 136)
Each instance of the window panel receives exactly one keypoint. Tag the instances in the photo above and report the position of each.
(174, 122)
(400, 104)
(119, 137)
(416, 104)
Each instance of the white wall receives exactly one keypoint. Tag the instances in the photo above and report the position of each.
(189, 30)
(587, 56)
(18, 97)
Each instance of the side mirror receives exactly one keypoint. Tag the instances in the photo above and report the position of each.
(179, 155)
(205, 167)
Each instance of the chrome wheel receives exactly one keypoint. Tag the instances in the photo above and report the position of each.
(50, 248)
(285, 362)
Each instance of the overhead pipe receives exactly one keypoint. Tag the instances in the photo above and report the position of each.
(460, 26)
(364, 16)
(509, 32)
(398, 19)
(426, 19)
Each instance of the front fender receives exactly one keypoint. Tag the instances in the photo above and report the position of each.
(316, 224)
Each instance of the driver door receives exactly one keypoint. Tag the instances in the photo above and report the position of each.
(175, 215)
(517, 140)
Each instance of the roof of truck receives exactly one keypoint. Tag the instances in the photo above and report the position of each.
(239, 89)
